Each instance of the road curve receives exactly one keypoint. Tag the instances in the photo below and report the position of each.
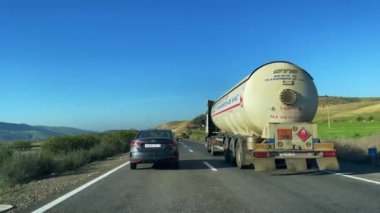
(206, 183)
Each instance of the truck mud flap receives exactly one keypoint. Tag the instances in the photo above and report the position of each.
(328, 163)
(262, 164)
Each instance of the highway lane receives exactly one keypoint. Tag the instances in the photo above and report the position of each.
(195, 187)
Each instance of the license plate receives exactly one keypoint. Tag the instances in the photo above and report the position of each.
(287, 154)
(309, 154)
(152, 145)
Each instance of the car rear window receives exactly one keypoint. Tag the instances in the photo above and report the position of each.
(155, 134)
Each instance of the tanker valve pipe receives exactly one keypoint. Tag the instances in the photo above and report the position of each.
(288, 97)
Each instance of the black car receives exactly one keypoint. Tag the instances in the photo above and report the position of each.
(152, 146)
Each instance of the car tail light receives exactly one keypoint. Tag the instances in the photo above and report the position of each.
(136, 144)
(261, 154)
(329, 154)
(173, 143)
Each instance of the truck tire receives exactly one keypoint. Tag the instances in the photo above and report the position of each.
(212, 150)
(232, 154)
(226, 154)
(208, 146)
(239, 155)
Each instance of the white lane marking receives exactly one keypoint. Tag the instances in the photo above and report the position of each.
(353, 177)
(191, 150)
(209, 166)
(77, 190)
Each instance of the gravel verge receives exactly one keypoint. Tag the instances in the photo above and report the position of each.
(26, 195)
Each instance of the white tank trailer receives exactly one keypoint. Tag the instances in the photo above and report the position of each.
(265, 121)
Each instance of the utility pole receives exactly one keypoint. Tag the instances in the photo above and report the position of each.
(328, 112)
(328, 117)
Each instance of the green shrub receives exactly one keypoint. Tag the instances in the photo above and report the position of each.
(60, 154)
(71, 160)
(21, 168)
(70, 143)
(113, 143)
(20, 145)
(5, 153)
(96, 153)
(117, 141)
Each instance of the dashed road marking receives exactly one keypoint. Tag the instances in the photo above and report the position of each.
(77, 190)
(353, 177)
(209, 166)
(191, 150)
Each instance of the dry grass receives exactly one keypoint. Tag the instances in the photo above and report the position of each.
(356, 150)
(349, 111)
(177, 127)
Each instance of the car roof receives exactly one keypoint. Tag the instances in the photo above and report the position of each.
(156, 130)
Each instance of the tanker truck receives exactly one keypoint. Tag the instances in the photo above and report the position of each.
(265, 121)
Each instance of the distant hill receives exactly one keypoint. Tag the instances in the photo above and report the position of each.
(25, 132)
(331, 100)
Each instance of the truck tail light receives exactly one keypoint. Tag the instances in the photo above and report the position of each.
(329, 154)
(261, 154)
(136, 144)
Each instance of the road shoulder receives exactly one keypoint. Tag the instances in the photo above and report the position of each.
(38, 192)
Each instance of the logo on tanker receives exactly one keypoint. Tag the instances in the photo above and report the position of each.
(228, 104)
(283, 75)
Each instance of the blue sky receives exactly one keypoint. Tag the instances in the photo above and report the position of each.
(103, 65)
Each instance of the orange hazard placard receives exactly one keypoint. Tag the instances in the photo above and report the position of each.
(284, 134)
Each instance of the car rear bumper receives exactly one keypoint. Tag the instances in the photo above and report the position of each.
(152, 159)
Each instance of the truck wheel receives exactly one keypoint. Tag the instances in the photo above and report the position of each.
(239, 154)
(208, 147)
(226, 155)
(212, 150)
(232, 157)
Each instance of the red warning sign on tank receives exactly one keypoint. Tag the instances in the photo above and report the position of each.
(303, 134)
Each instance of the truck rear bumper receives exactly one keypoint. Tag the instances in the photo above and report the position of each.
(294, 160)
(293, 155)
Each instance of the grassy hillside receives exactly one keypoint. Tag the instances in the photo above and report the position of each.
(177, 126)
(349, 118)
(189, 129)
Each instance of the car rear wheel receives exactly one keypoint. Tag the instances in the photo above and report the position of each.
(175, 165)
(133, 165)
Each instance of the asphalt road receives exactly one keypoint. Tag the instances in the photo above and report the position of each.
(196, 187)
